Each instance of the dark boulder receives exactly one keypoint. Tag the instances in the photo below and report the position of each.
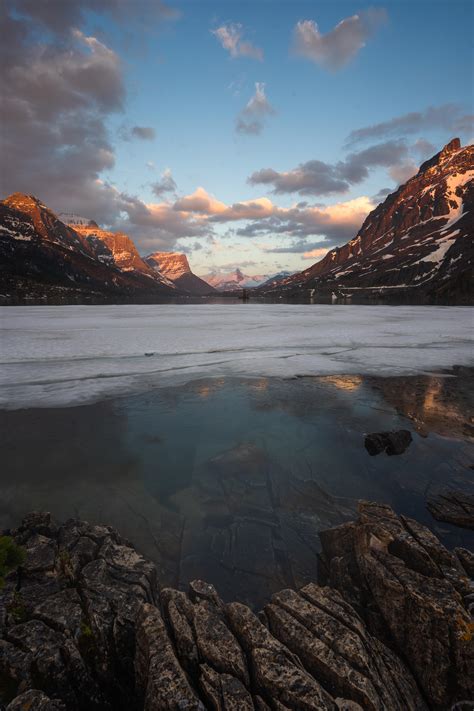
(395, 442)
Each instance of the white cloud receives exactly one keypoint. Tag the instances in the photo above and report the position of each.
(230, 37)
(251, 119)
(339, 46)
(315, 255)
(165, 184)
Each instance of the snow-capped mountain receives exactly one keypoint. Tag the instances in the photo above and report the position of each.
(233, 281)
(175, 267)
(419, 242)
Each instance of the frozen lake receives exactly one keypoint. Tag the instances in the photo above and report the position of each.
(66, 355)
(185, 427)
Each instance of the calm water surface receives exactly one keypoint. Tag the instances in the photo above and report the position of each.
(230, 479)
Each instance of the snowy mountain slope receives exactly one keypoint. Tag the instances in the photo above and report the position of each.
(233, 281)
(419, 241)
(175, 267)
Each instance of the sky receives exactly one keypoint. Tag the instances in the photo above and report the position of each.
(255, 135)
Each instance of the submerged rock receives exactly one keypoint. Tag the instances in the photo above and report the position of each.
(85, 626)
(389, 442)
(453, 507)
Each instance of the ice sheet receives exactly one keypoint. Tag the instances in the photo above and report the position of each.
(69, 355)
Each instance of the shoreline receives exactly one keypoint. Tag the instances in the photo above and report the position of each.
(103, 633)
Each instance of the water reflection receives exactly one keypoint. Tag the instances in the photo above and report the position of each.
(434, 403)
(231, 480)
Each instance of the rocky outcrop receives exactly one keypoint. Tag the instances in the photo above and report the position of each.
(84, 625)
(453, 507)
(175, 267)
(417, 244)
(117, 249)
(411, 592)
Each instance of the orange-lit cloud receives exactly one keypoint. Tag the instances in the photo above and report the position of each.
(316, 254)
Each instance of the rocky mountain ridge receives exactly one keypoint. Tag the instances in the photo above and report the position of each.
(84, 625)
(42, 257)
(419, 242)
(117, 249)
(237, 280)
(417, 245)
(175, 267)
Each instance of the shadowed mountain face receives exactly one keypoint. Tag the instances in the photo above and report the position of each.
(41, 257)
(418, 242)
(175, 267)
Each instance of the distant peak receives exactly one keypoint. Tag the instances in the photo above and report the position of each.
(172, 264)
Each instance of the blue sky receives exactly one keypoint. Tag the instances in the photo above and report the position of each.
(180, 83)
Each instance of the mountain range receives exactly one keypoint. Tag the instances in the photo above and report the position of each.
(416, 245)
(237, 280)
(44, 257)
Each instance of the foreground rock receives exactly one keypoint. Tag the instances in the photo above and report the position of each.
(411, 592)
(83, 625)
(453, 507)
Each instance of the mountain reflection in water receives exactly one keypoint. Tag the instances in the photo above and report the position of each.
(230, 480)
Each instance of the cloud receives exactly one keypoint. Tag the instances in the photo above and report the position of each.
(301, 246)
(59, 88)
(145, 133)
(157, 224)
(448, 117)
(336, 223)
(339, 46)
(315, 255)
(200, 202)
(59, 16)
(381, 195)
(403, 172)
(424, 148)
(165, 184)
(55, 103)
(316, 177)
(252, 118)
(311, 178)
(195, 215)
(230, 37)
